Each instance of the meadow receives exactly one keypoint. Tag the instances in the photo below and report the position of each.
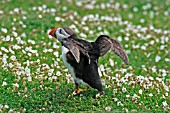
(33, 77)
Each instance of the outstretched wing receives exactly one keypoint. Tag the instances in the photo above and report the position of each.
(75, 49)
(106, 43)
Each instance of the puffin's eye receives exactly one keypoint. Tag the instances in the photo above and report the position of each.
(60, 31)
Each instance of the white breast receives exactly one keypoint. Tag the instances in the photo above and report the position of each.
(71, 69)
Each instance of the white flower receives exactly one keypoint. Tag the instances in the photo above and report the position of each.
(150, 94)
(31, 41)
(57, 19)
(54, 77)
(16, 47)
(4, 83)
(39, 16)
(4, 60)
(135, 96)
(33, 51)
(124, 89)
(100, 73)
(10, 65)
(115, 99)
(86, 28)
(102, 67)
(29, 78)
(164, 103)
(122, 70)
(166, 87)
(55, 45)
(157, 58)
(142, 20)
(119, 103)
(152, 42)
(158, 79)
(135, 46)
(4, 49)
(13, 58)
(143, 47)
(53, 10)
(1, 106)
(18, 72)
(50, 50)
(119, 38)
(135, 9)
(1, 12)
(163, 72)
(126, 38)
(7, 38)
(154, 68)
(162, 47)
(56, 54)
(11, 111)
(45, 50)
(140, 91)
(10, 50)
(6, 106)
(16, 10)
(24, 26)
(40, 8)
(16, 85)
(64, 8)
(127, 96)
(114, 91)
(166, 94)
(4, 30)
(23, 51)
(73, 26)
(24, 17)
(167, 59)
(79, 3)
(83, 35)
(76, 30)
(91, 32)
(27, 71)
(126, 45)
(15, 34)
(130, 16)
(108, 108)
(111, 62)
(151, 78)
(29, 54)
(58, 73)
(125, 6)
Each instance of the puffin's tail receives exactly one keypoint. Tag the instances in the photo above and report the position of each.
(105, 43)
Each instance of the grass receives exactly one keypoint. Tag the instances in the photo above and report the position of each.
(38, 81)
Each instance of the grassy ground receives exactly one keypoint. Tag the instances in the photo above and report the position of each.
(34, 79)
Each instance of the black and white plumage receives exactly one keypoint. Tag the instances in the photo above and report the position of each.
(81, 57)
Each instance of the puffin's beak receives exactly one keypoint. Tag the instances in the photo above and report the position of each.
(52, 31)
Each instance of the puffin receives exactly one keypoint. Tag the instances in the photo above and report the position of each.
(81, 56)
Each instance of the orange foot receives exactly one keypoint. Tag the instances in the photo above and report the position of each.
(77, 91)
(87, 88)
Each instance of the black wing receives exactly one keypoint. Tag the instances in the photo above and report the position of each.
(75, 49)
(106, 43)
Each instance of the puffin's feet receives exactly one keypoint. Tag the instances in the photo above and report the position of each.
(77, 91)
(87, 88)
(102, 92)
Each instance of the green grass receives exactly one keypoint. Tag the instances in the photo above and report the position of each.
(28, 86)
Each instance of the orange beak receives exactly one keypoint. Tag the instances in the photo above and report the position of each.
(52, 31)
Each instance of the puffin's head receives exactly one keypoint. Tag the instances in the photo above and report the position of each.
(61, 33)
